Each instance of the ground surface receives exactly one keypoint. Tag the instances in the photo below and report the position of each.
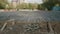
(23, 20)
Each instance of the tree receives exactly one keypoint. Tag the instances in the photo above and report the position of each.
(50, 3)
(3, 4)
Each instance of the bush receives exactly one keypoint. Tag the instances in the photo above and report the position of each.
(40, 7)
(50, 3)
(2, 6)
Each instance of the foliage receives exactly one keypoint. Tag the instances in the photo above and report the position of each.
(41, 7)
(27, 6)
(49, 4)
(3, 4)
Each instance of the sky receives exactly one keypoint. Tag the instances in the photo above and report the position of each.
(31, 1)
(34, 1)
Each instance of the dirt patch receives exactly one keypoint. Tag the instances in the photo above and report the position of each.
(29, 28)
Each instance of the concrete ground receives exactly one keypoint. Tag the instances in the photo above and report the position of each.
(23, 19)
